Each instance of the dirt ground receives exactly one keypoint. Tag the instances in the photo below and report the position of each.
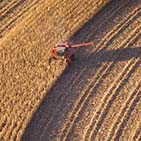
(28, 30)
(99, 99)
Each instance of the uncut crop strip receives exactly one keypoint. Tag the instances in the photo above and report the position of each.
(14, 130)
(106, 99)
(124, 110)
(11, 125)
(103, 70)
(5, 98)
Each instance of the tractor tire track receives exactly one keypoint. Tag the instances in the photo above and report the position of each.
(123, 112)
(125, 118)
(71, 82)
(107, 98)
(111, 116)
(77, 113)
(102, 24)
(78, 75)
(103, 71)
(138, 137)
(137, 133)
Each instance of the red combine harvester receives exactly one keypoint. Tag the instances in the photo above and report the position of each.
(65, 51)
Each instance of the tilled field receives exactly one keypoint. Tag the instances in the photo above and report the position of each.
(28, 30)
(99, 99)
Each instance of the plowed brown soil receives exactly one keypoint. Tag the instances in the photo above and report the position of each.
(28, 30)
(99, 98)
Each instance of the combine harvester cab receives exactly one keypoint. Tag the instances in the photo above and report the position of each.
(66, 51)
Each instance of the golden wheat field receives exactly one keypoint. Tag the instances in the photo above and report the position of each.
(28, 30)
(98, 99)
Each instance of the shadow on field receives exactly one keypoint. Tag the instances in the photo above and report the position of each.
(116, 55)
(70, 84)
(59, 92)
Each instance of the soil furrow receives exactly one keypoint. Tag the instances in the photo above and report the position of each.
(121, 126)
(85, 97)
(123, 21)
(120, 24)
(122, 114)
(111, 116)
(62, 115)
(139, 137)
(137, 133)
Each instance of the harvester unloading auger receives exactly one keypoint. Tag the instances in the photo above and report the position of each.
(65, 51)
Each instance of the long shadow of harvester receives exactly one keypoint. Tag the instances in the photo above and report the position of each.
(69, 86)
(123, 54)
(59, 92)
